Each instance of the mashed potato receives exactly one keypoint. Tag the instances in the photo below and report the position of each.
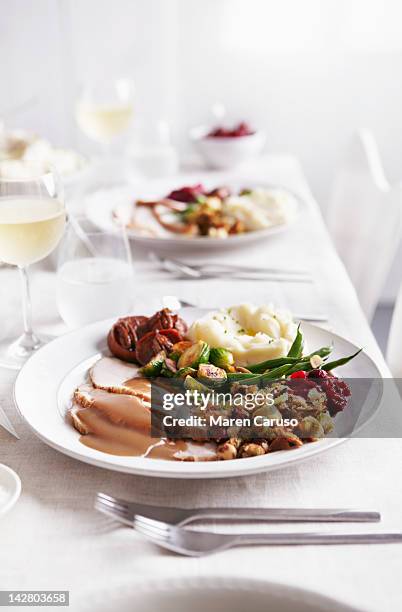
(252, 333)
(262, 208)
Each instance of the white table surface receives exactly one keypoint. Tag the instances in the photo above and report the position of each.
(53, 539)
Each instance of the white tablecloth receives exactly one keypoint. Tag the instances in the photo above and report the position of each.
(53, 539)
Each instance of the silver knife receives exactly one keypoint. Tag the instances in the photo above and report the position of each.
(6, 424)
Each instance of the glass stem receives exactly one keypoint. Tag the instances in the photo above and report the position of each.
(28, 340)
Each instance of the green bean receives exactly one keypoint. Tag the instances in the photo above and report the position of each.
(247, 378)
(276, 373)
(322, 352)
(302, 365)
(331, 365)
(263, 366)
(271, 363)
(296, 349)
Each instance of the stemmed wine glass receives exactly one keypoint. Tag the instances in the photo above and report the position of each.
(32, 219)
(104, 109)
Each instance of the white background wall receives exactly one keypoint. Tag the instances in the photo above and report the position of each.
(308, 71)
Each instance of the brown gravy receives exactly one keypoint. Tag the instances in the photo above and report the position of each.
(120, 424)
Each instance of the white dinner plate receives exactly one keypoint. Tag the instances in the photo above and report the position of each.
(99, 206)
(208, 593)
(10, 488)
(44, 387)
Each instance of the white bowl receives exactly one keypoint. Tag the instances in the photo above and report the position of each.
(10, 488)
(224, 153)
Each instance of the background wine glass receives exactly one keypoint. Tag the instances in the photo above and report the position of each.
(32, 219)
(104, 109)
(95, 275)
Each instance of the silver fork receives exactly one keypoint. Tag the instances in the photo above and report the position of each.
(200, 543)
(235, 272)
(211, 267)
(126, 512)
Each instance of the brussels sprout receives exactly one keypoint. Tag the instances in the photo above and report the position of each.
(194, 355)
(183, 372)
(310, 427)
(210, 374)
(168, 369)
(179, 348)
(221, 357)
(195, 385)
(326, 421)
(154, 366)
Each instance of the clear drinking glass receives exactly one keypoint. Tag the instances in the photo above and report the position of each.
(104, 109)
(150, 150)
(32, 220)
(94, 277)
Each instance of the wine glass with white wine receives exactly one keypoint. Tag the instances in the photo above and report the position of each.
(104, 109)
(32, 220)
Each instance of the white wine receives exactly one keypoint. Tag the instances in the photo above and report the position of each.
(102, 123)
(30, 228)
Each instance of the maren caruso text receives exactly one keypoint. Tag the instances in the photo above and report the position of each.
(222, 421)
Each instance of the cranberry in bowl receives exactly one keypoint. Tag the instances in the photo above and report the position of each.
(224, 147)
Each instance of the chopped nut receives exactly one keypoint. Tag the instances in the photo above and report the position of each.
(316, 361)
(226, 451)
(236, 442)
(253, 450)
(285, 440)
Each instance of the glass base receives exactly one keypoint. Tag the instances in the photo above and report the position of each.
(14, 353)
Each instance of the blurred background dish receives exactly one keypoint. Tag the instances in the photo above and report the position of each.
(10, 488)
(106, 207)
(224, 148)
(18, 146)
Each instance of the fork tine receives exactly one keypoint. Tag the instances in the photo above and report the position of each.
(113, 504)
(155, 529)
(149, 534)
(153, 522)
(105, 510)
(119, 509)
(113, 512)
(163, 535)
(111, 500)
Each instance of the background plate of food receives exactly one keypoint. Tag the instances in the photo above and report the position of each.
(207, 214)
(18, 146)
(88, 393)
